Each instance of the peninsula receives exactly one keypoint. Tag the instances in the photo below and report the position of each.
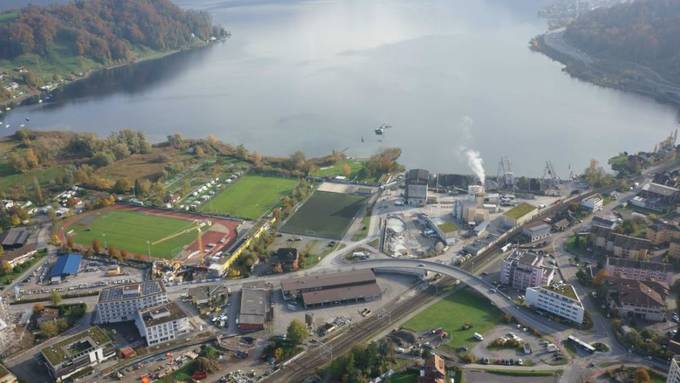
(631, 46)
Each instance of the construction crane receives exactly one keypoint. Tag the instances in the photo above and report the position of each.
(550, 178)
(197, 227)
(505, 176)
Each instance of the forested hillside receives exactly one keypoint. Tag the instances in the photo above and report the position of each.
(103, 30)
(644, 31)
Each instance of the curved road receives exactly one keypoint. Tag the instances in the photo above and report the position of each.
(498, 299)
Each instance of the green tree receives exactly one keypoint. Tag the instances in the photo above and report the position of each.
(296, 332)
(49, 329)
(55, 297)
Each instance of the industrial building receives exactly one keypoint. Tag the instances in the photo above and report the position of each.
(557, 299)
(328, 289)
(256, 309)
(66, 266)
(77, 353)
(160, 324)
(15, 238)
(537, 232)
(522, 269)
(416, 187)
(121, 303)
(593, 203)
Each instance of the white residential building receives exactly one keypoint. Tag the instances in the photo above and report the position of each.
(593, 203)
(121, 303)
(560, 300)
(522, 269)
(537, 232)
(162, 323)
(674, 370)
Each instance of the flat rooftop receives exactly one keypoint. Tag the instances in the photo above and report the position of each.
(156, 315)
(254, 306)
(131, 291)
(89, 339)
(321, 281)
(340, 294)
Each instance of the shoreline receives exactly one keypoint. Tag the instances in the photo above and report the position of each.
(613, 74)
(35, 95)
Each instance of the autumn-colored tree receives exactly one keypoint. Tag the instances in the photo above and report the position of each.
(49, 329)
(346, 170)
(113, 252)
(641, 375)
(96, 246)
(599, 278)
(31, 159)
(15, 220)
(55, 240)
(277, 268)
(278, 354)
(124, 254)
(7, 267)
(70, 243)
(38, 308)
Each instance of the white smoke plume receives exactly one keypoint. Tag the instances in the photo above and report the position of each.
(476, 164)
(473, 157)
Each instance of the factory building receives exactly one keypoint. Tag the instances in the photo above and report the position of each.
(66, 266)
(255, 310)
(121, 303)
(537, 232)
(416, 185)
(328, 289)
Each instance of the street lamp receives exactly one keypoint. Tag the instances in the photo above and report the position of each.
(148, 248)
(106, 243)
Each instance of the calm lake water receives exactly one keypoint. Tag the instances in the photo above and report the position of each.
(320, 75)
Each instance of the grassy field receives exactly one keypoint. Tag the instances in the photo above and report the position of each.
(325, 215)
(448, 227)
(452, 312)
(336, 169)
(250, 197)
(404, 377)
(131, 230)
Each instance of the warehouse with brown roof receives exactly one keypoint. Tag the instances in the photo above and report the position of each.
(329, 289)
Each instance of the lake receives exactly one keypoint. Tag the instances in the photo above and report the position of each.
(448, 75)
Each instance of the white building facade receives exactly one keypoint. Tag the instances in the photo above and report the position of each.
(121, 303)
(562, 301)
(162, 323)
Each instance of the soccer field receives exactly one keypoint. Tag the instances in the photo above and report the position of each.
(325, 215)
(250, 197)
(131, 230)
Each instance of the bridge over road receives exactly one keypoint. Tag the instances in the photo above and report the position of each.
(486, 289)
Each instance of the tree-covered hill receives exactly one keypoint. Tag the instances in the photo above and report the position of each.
(103, 30)
(644, 32)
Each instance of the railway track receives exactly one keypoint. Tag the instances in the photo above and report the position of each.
(320, 355)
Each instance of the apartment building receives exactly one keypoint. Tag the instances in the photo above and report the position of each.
(524, 268)
(625, 268)
(162, 323)
(121, 303)
(638, 299)
(619, 245)
(557, 299)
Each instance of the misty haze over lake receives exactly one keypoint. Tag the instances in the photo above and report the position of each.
(320, 75)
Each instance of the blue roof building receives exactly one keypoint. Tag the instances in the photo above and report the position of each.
(66, 265)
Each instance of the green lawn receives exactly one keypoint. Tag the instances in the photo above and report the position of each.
(325, 215)
(337, 169)
(9, 179)
(250, 197)
(452, 312)
(448, 227)
(131, 230)
(404, 377)
(520, 210)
